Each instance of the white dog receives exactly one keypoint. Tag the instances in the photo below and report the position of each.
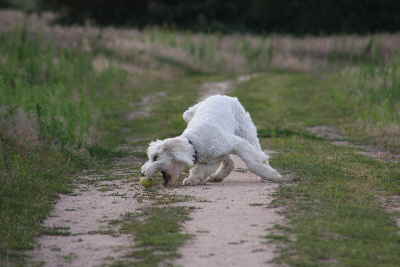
(216, 127)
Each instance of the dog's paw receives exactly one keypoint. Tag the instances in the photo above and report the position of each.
(215, 180)
(188, 181)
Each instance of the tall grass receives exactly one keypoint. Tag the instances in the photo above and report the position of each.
(217, 52)
(58, 87)
(52, 105)
(380, 88)
(372, 92)
(257, 53)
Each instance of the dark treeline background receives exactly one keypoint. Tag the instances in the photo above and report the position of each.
(280, 16)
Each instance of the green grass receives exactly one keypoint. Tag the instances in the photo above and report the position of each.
(30, 183)
(347, 100)
(157, 235)
(333, 209)
(335, 216)
(287, 102)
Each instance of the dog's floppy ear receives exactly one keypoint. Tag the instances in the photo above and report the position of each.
(180, 150)
(183, 157)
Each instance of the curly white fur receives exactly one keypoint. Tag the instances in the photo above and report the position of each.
(216, 127)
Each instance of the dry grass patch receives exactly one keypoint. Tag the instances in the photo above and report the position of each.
(178, 52)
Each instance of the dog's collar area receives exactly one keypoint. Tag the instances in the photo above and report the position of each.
(195, 155)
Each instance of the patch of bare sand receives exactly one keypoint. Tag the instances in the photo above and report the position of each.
(336, 137)
(87, 217)
(392, 205)
(327, 132)
(230, 221)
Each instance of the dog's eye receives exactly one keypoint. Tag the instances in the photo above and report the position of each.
(155, 157)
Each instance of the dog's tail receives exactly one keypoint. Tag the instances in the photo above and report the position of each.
(274, 176)
(189, 113)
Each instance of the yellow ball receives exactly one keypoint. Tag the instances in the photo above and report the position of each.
(146, 182)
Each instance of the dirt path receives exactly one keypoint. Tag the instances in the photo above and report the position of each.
(79, 230)
(230, 221)
(231, 218)
(228, 226)
(214, 88)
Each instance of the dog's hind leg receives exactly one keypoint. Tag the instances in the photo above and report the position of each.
(256, 161)
(223, 171)
(246, 128)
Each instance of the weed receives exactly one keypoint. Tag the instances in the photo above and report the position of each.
(70, 257)
(256, 204)
(167, 199)
(105, 188)
(63, 231)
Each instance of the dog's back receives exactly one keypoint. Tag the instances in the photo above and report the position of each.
(228, 113)
(217, 109)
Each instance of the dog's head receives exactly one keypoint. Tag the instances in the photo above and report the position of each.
(170, 157)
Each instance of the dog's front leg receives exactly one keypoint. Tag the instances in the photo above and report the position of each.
(196, 176)
(199, 173)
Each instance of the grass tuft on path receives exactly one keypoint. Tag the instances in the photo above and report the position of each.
(157, 235)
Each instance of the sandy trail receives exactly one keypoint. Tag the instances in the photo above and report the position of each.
(230, 221)
(232, 217)
(85, 215)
